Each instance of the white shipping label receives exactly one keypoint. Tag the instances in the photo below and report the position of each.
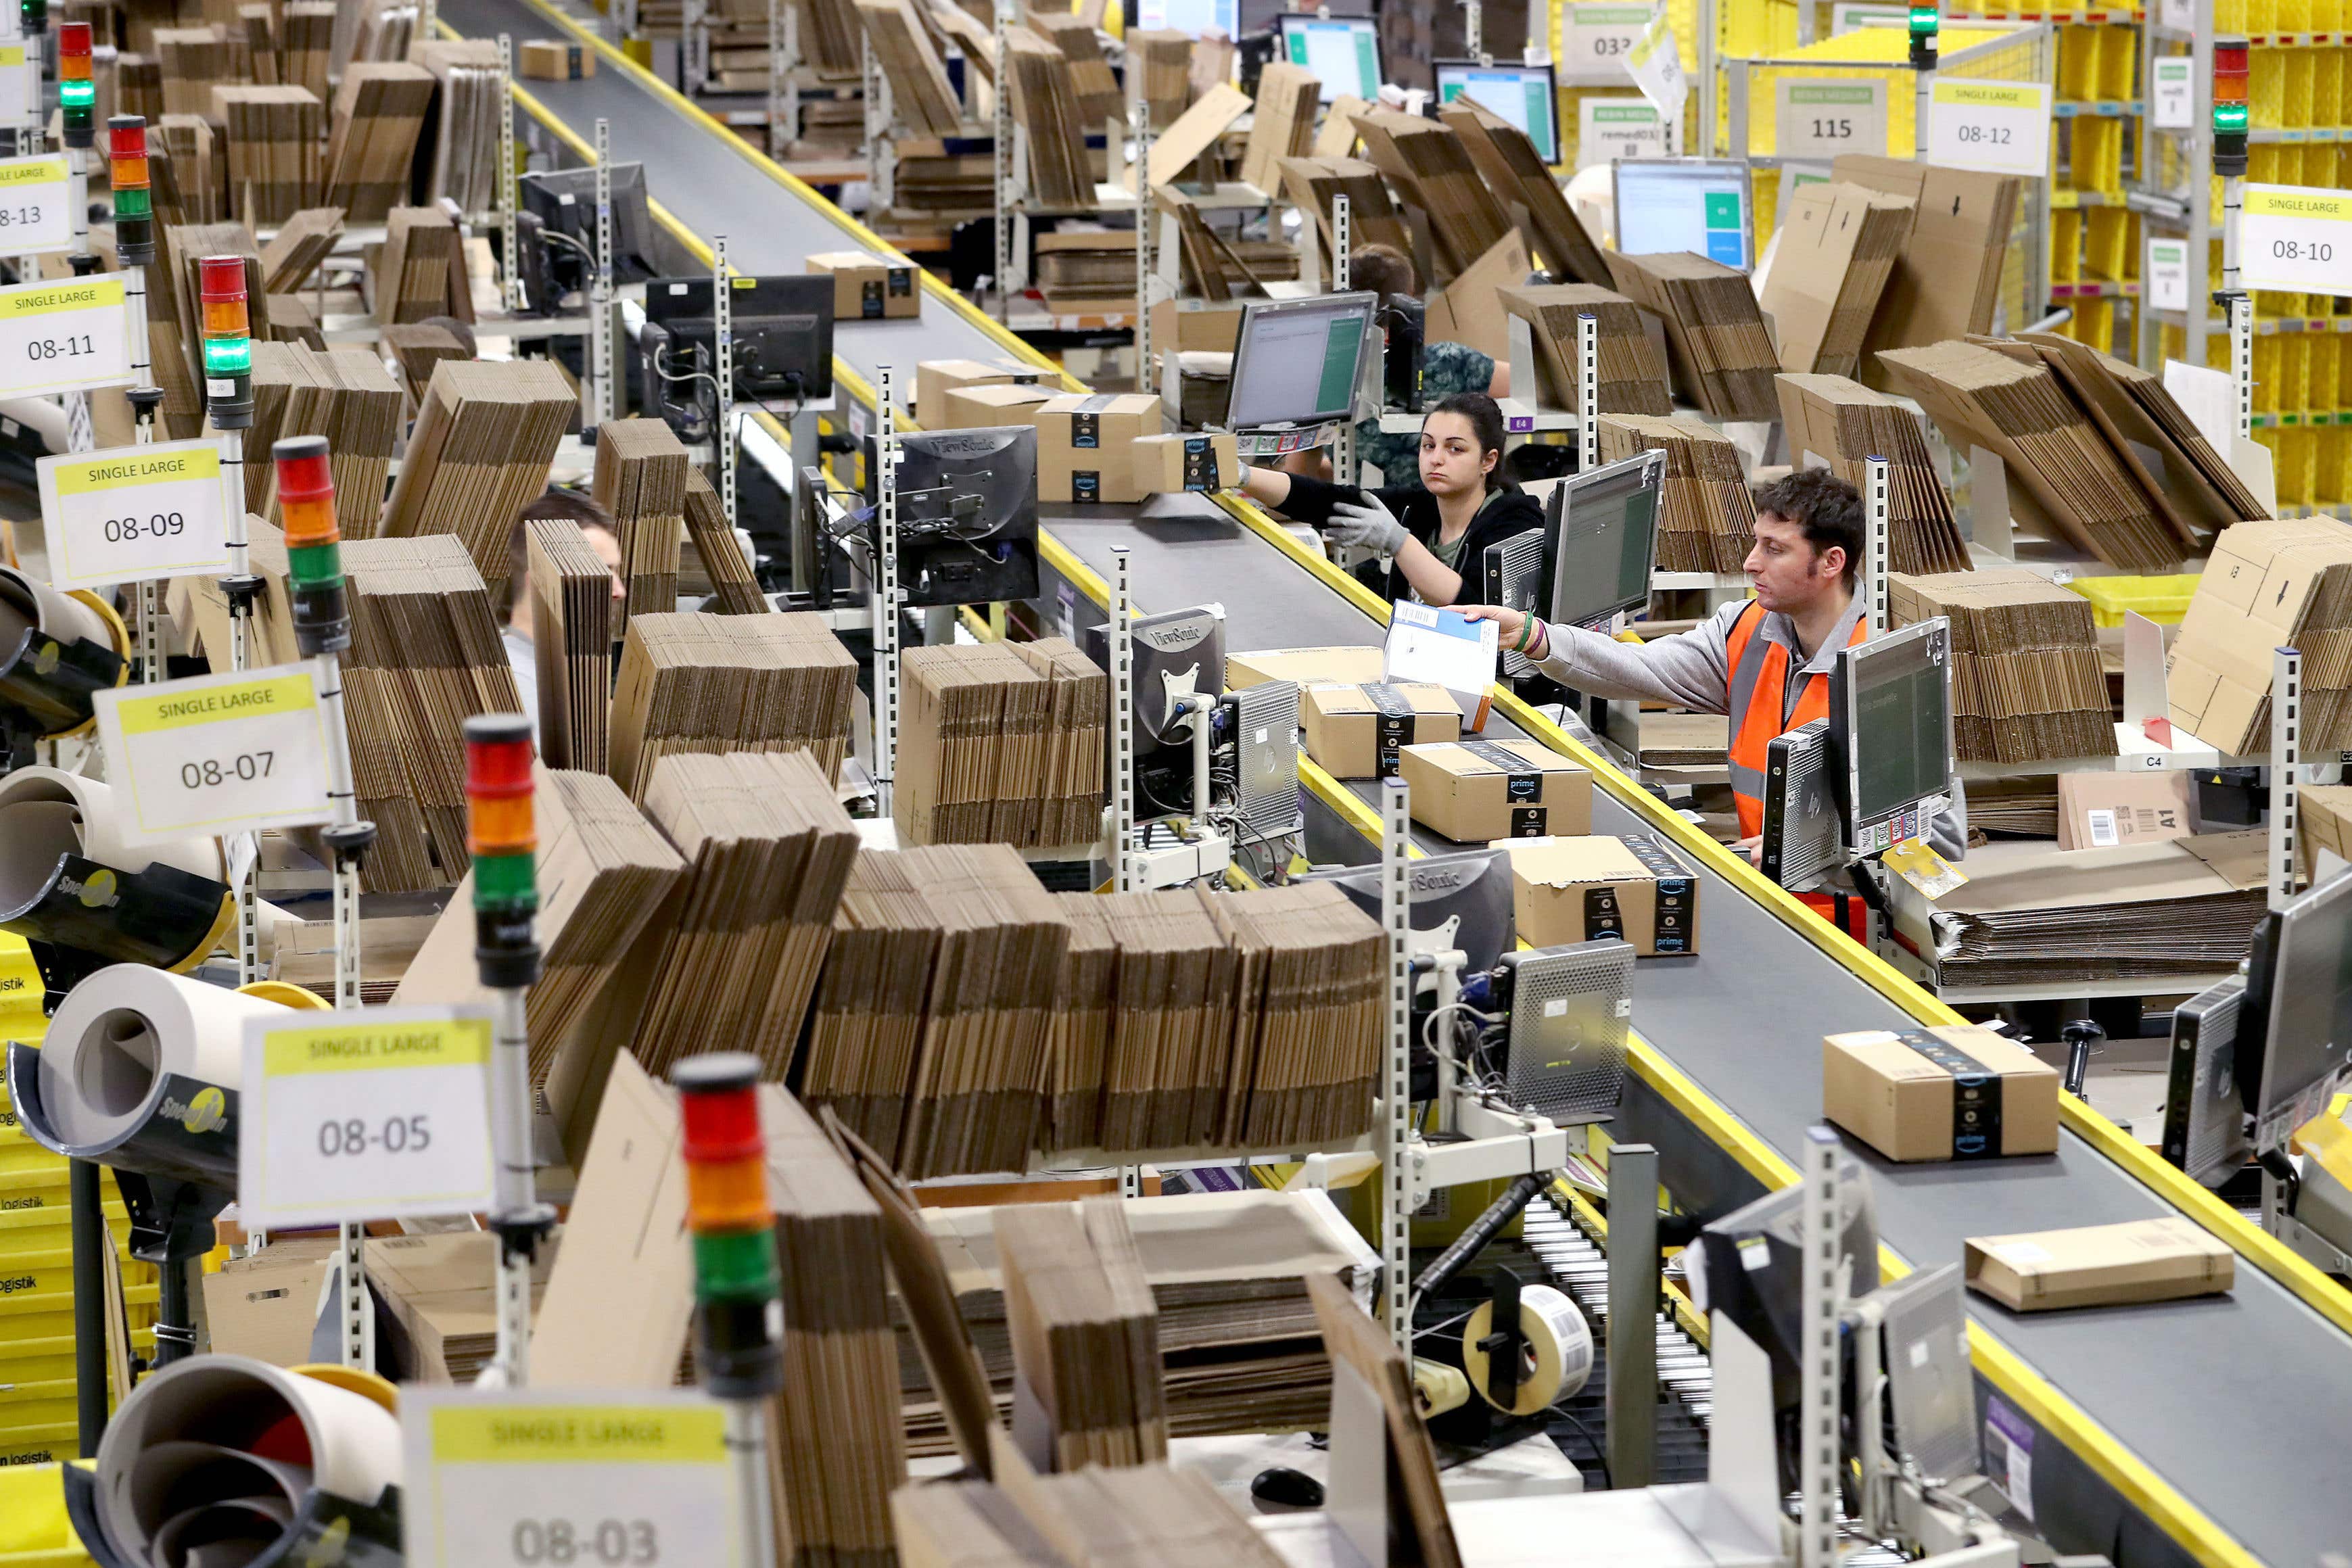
(135, 512)
(1998, 127)
(217, 754)
(63, 336)
(373, 1114)
(1596, 41)
(2296, 239)
(1822, 117)
(568, 1479)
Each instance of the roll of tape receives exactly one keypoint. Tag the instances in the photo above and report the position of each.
(1557, 1356)
(1440, 1387)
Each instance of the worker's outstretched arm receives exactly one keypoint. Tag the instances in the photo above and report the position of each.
(1691, 669)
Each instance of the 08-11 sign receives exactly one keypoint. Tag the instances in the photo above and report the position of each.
(63, 336)
(135, 512)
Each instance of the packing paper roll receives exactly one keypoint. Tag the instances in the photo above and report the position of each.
(46, 812)
(25, 603)
(119, 1033)
(162, 1470)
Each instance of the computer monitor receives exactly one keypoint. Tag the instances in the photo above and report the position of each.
(2204, 1110)
(1524, 95)
(1891, 731)
(1571, 1008)
(1699, 204)
(565, 203)
(2294, 1031)
(1453, 900)
(782, 344)
(1176, 653)
(1511, 574)
(1930, 1388)
(1296, 362)
(967, 513)
(1342, 52)
(1602, 530)
(1198, 17)
(1749, 1267)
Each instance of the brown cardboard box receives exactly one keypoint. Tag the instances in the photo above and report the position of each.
(1084, 444)
(1356, 731)
(557, 59)
(2323, 820)
(1580, 890)
(1948, 278)
(869, 288)
(1170, 465)
(1476, 790)
(1340, 666)
(1837, 245)
(934, 379)
(2268, 584)
(2101, 1265)
(1957, 1091)
(987, 406)
(1191, 326)
(2100, 810)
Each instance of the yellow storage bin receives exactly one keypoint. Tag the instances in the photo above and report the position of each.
(34, 1529)
(2163, 599)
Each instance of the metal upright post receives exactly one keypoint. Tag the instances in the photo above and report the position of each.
(428, 19)
(781, 50)
(1473, 30)
(1877, 542)
(722, 434)
(1924, 26)
(1588, 391)
(1823, 1285)
(885, 581)
(2286, 745)
(694, 46)
(1343, 277)
(509, 198)
(322, 631)
(1396, 1079)
(1632, 1393)
(1003, 166)
(1122, 719)
(1139, 126)
(604, 397)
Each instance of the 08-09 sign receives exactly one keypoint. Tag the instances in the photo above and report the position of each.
(135, 512)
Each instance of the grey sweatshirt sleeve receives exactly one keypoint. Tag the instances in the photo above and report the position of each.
(1691, 669)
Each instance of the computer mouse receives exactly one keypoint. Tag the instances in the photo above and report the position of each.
(1282, 1489)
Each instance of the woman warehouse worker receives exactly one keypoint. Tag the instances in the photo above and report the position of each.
(1433, 534)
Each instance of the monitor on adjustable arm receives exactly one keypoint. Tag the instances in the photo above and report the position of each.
(1296, 362)
(1600, 532)
(1699, 204)
(2294, 1028)
(1524, 95)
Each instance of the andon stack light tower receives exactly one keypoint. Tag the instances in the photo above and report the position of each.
(2230, 126)
(134, 248)
(76, 101)
(33, 22)
(1924, 24)
(737, 1287)
(502, 835)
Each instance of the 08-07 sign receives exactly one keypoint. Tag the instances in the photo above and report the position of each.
(135, 512)
(215, 754)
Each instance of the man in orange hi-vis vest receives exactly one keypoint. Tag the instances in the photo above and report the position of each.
(1765, 660)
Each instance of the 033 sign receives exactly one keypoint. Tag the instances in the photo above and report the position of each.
(135, 512)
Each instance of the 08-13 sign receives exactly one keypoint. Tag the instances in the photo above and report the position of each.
(134, 512)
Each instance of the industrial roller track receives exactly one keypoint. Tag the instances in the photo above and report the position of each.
(2215, 1431)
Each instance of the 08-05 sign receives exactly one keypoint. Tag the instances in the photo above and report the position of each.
(135, 512)
(217, 754)
(63, 336)
(372, 1114)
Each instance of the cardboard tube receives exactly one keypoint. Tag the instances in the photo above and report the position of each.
(46, 812)
(119, 1033)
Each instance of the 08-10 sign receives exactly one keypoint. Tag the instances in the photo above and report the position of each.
(2296, 239)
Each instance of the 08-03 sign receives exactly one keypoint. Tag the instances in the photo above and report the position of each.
(215, 754)
(63, 336)
(135, 512)
(567, 1478)
(372, 1113)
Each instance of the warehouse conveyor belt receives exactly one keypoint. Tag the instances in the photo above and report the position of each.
(2217, 1431)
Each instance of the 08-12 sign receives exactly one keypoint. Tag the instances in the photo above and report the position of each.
(1998, 127)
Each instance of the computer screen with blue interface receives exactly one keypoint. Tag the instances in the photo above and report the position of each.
(1521, 94)
(1296, 361)
(1342, 52)
(1697, 204)
(1197, 17)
